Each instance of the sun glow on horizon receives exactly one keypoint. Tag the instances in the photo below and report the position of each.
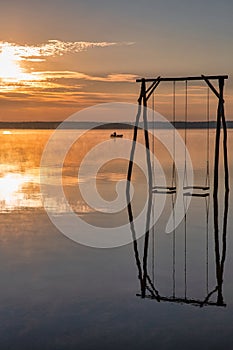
(9, 66)
(21, 73)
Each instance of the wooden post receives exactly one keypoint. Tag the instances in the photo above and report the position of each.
(142, 99)
(217, 250)
(142, 272)
(146, 135)
(220, 260)
(220, 118)
(224, 140)
(135, 247)
(135, 134)
(146, 245)
(217, 138)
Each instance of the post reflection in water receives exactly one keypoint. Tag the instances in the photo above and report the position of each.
(150, 289)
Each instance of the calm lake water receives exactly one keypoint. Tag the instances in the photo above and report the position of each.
(57, 294)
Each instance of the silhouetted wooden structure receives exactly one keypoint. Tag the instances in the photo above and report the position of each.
(147, 287)
(147, 91)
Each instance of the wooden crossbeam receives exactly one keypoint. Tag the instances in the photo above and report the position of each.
(210, 77)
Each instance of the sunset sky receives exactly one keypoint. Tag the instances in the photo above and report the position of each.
(59, 56)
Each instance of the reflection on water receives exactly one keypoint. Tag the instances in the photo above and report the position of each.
(20, 180)
(12, 192)
(215, 241)
(20, 174)
(56, 294)
(20, 161)
(19, 169)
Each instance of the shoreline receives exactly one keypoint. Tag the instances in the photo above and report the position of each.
(106, 126)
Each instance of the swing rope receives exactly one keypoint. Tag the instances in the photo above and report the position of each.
(206, 186)
(171, 189)
(207, 206)
(174, 248)
(185, 181)
(153, 211)
(207, 183)
(185, 184)
(174, 138)
(185, 246)
(153, 139)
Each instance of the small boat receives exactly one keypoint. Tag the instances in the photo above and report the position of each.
(116, 135)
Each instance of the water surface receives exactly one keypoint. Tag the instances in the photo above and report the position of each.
(57, 294)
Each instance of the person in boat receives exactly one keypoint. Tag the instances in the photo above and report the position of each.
(116, 135)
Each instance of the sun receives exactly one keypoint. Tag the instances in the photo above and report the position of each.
(11, 71)
(9, 65)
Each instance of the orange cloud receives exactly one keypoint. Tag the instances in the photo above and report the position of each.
(52, 48)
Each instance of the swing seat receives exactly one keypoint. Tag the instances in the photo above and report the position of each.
(203, 188)
(170, 188)
(189, 194)
(158, 191)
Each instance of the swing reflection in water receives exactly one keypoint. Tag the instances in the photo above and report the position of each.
(151, 289)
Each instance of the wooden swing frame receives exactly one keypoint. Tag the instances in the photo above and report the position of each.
(145, 94)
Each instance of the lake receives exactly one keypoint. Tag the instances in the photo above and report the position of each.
(163, 291)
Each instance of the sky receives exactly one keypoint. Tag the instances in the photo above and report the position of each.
(60, 56)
